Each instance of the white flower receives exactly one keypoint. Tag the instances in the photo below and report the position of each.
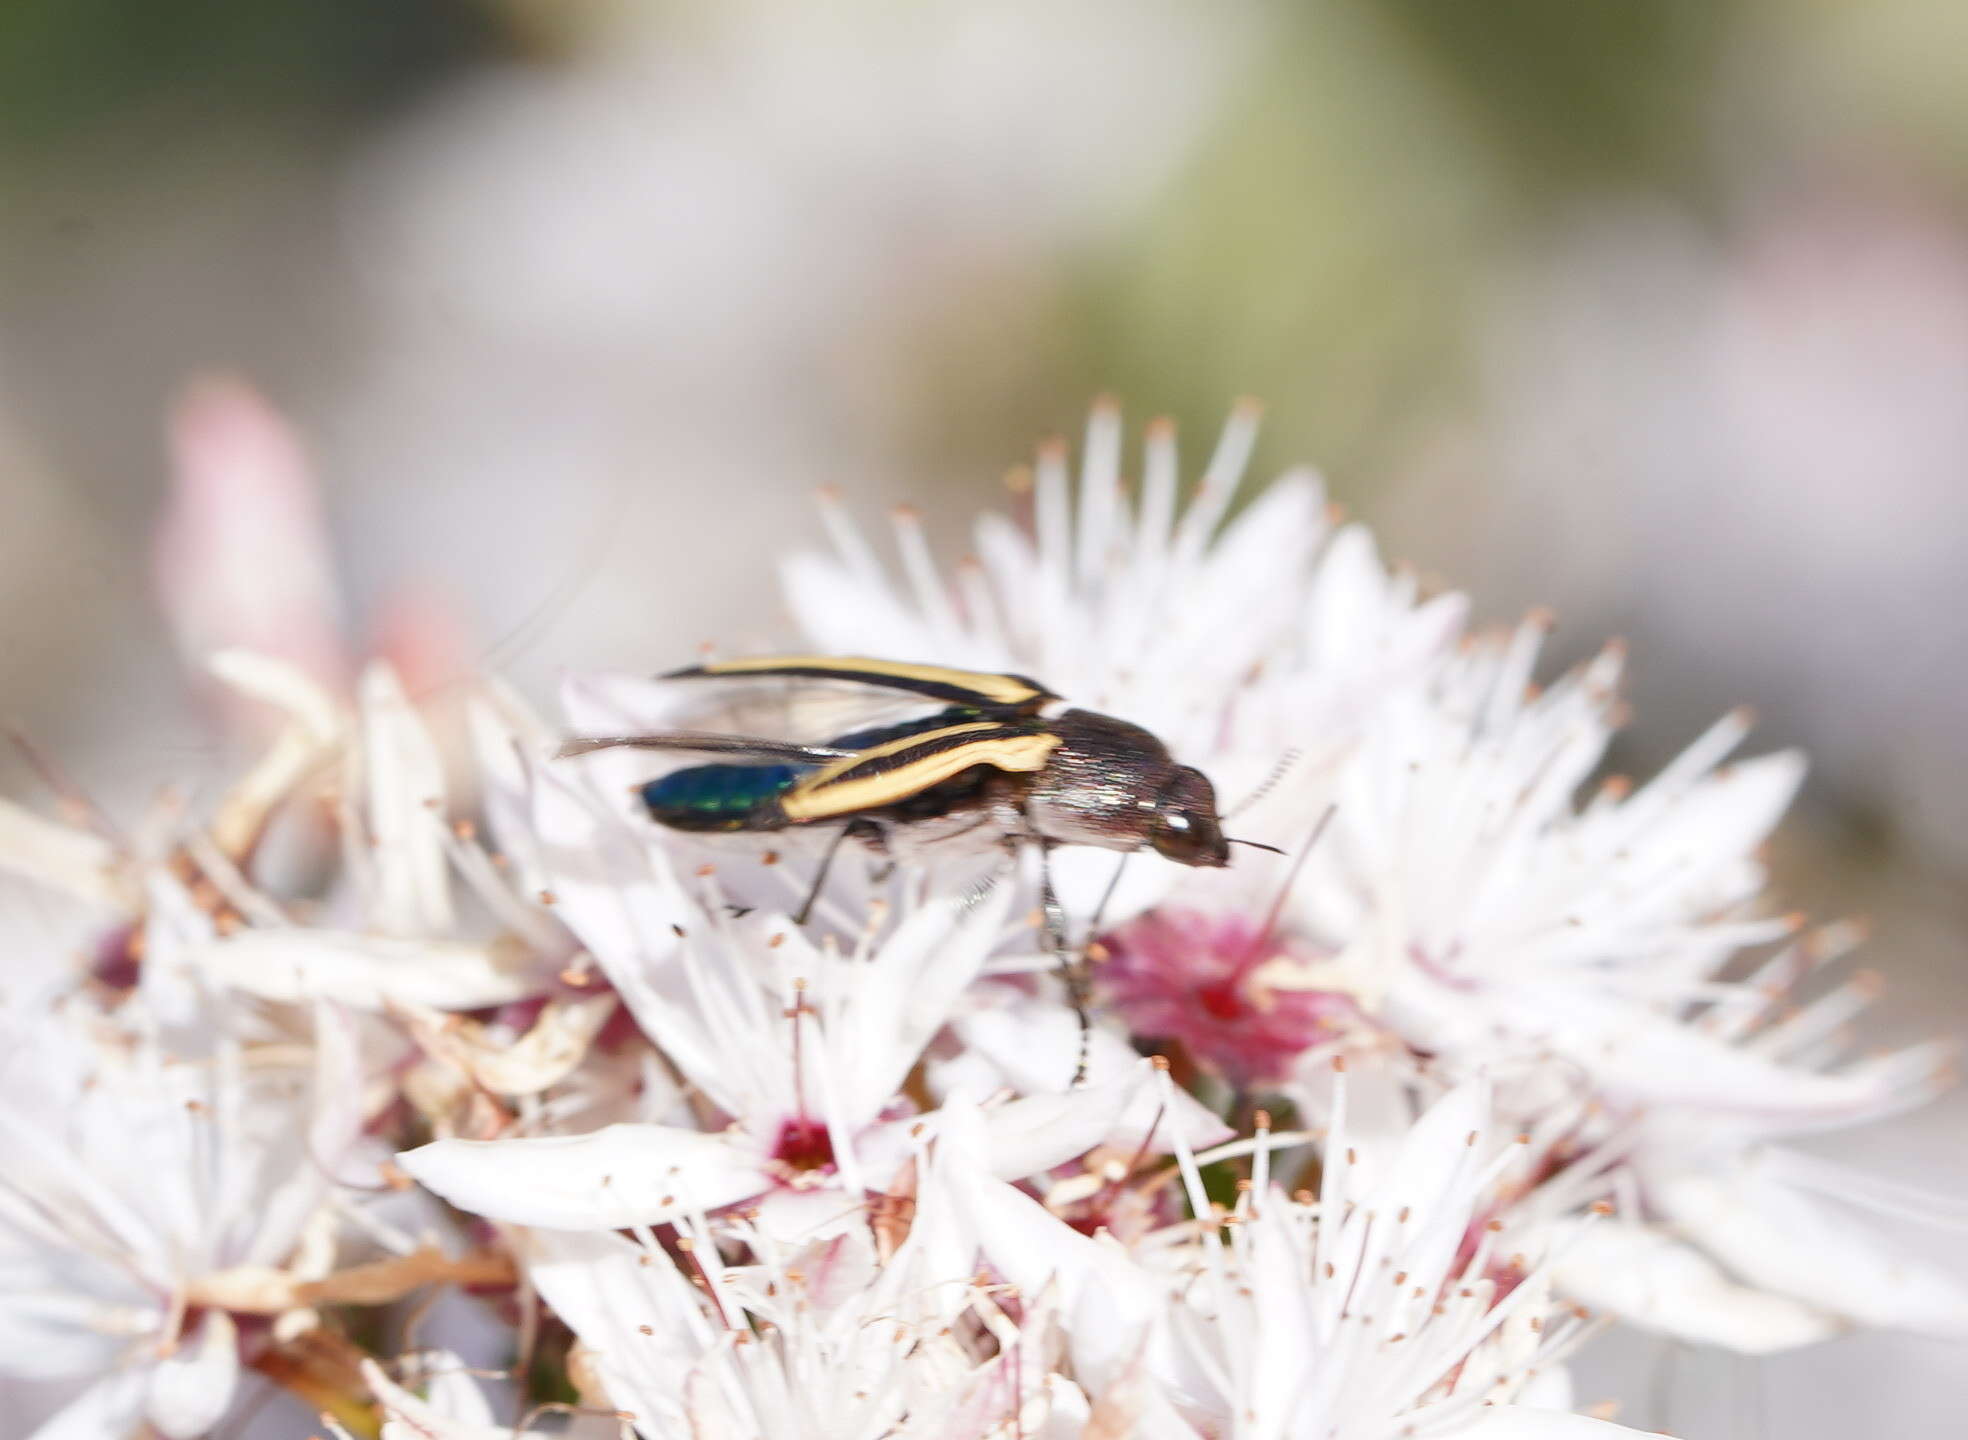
(390, 931)
(147, 1198)
(800, 1052)
(1475, 910)
(1468, 902)
(798, 1046)
(879, 1327)
(1519, 1033)
(245, 578)
(1363, 1314)
(1234, 642)
(1462, 902)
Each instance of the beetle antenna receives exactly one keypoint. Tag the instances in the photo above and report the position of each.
(1278, 772)
(1254, 844)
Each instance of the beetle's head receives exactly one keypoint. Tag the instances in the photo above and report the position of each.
(1184, 826)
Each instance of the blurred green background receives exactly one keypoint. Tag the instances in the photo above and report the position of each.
(1653, 310)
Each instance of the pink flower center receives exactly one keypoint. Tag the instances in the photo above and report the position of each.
(118, 965)
(804, 1145)
(1191, 977)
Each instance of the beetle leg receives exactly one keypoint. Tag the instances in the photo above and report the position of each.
(1072, 966)
(868, 833)
(1100, 910)
(820, 875)
(876, 839)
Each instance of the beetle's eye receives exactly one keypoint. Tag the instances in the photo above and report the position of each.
(1177, 836)
(1184, 828)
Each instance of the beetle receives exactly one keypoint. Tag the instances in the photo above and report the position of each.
(990, 761)
(998, 760)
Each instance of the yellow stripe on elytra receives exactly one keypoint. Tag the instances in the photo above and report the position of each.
(819, 798)
(999, 689)
(834, 769)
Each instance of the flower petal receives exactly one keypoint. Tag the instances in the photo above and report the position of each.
(1641, 1056)
(369, 972)
(910, 989)
(1110, 1307)
(192, 1388)
(619, 1176)
(640, 1320)
(1040, 1131)
(1641, 1275)
(456, 1409)
(847, 614)
(62, 858)
(546, 1054)
(1035, 1047)
(1776, 1237)
(293, 1194)
(405, 777)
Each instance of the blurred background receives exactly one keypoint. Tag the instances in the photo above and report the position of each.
(1655, 311)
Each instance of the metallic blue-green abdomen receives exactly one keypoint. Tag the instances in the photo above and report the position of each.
(716, 797)
(730, 797)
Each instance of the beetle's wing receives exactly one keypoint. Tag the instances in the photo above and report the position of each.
(890, 773)
(698, 742)
(971, 689)
(793, 709)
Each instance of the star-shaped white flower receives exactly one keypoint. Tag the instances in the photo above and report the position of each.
(189, 896)
(1238, 642)
(879, 1327)
(1371, 1311)
(149, 1197)
(392, 931)
(799, 1047)
(1480, 914)
(800, 1053)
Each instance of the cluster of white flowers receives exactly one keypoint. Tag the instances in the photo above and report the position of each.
(1372, 1135)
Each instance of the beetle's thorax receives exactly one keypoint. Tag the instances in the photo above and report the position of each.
(1099, 787)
